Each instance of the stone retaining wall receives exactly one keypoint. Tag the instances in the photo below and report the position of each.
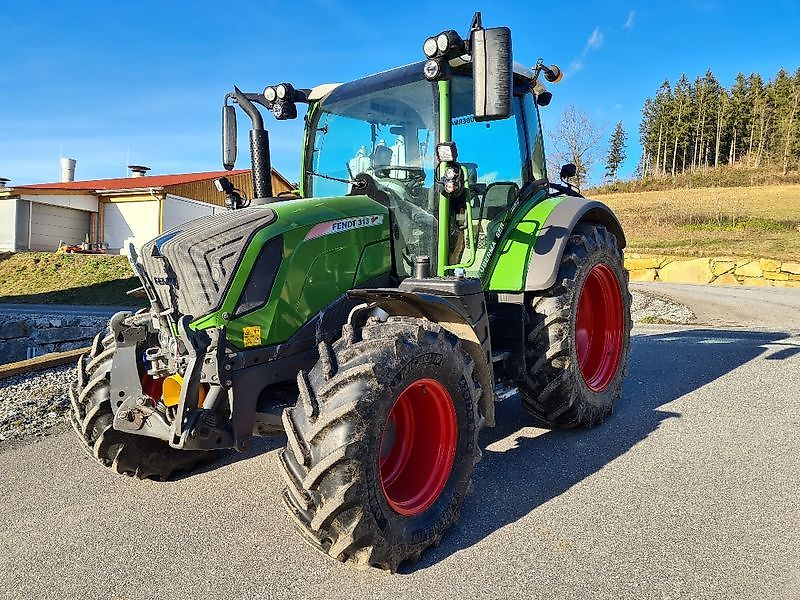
(723, 270)
(24, 336)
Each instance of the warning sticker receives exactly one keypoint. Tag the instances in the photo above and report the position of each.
(341, 225)
(252, 336)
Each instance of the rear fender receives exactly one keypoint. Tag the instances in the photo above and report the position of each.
(554, 234)
(448, 315)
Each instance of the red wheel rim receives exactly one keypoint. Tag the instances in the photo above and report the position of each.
(598, 328)
(418, 447)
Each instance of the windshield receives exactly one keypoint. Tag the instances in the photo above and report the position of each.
(383, 127)
(372, 133)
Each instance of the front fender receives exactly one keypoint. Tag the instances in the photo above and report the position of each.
(452, 315)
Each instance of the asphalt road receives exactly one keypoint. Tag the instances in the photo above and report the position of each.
(690, 490)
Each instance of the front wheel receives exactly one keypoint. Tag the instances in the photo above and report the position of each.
(382, 442)
(578, 334)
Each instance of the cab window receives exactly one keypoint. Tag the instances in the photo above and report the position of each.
(492, 151)
(534, 130)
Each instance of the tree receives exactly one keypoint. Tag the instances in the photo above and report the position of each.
(616, 151)
(697, 125)
(740, 111)
(784, 93)
(576, 140)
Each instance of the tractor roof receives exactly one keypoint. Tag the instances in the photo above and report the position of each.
(410, 72)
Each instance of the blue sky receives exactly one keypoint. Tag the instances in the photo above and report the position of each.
(116, 83)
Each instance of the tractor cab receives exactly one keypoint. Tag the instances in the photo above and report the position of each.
(378, 136)
(449, 145)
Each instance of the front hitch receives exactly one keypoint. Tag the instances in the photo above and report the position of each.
(194, 427)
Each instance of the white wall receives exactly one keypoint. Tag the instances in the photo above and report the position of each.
(8, 223)
(130, 221)
(179, 210)
(79, 201)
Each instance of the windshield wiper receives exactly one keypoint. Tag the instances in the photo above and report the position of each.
(332, 178)
(358, 184)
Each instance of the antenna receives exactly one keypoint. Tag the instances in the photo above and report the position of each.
(476, 22)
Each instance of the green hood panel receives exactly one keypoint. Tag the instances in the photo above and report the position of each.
(330, 245)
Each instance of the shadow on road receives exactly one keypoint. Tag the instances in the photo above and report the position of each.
(511, 483)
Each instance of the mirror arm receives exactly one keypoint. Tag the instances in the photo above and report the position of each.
(248, 107)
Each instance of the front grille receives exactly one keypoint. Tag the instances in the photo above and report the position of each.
(191, 266)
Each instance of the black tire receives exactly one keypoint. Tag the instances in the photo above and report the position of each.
(332, 460)
(92, 418)
(555, 390)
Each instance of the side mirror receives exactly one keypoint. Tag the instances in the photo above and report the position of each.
(568, 170)
(228, 137)
(553, 73)
(492, 72)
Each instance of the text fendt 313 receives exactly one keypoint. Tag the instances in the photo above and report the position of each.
(424, 267)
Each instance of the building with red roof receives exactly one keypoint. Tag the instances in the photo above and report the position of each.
(111, 212)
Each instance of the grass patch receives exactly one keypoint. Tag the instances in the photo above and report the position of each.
(49, 278)
(726, 223)
(761, 221)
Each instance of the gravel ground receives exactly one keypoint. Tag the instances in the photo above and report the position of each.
(654, 308)
(31, 404)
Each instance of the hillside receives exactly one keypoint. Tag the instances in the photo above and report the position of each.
(46, 278)
(724, 176)
(752, 221)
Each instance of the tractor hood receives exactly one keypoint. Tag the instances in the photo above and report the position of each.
(192, 265)
(267, 267)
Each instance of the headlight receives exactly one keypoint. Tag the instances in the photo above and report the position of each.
(442, 42)
(281, 91)
(270, 94)
(432, 69)
(447, 152)
(430, 47)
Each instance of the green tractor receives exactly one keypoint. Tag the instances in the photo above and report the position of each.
(424, 268)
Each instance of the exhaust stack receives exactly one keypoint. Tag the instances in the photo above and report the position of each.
(138, 170)
(68, 169)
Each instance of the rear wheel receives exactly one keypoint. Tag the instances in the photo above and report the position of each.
(578, 334)
(382, 442)
(92, 418)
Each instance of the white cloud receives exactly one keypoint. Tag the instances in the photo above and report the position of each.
(595, 40)
(630, 21)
